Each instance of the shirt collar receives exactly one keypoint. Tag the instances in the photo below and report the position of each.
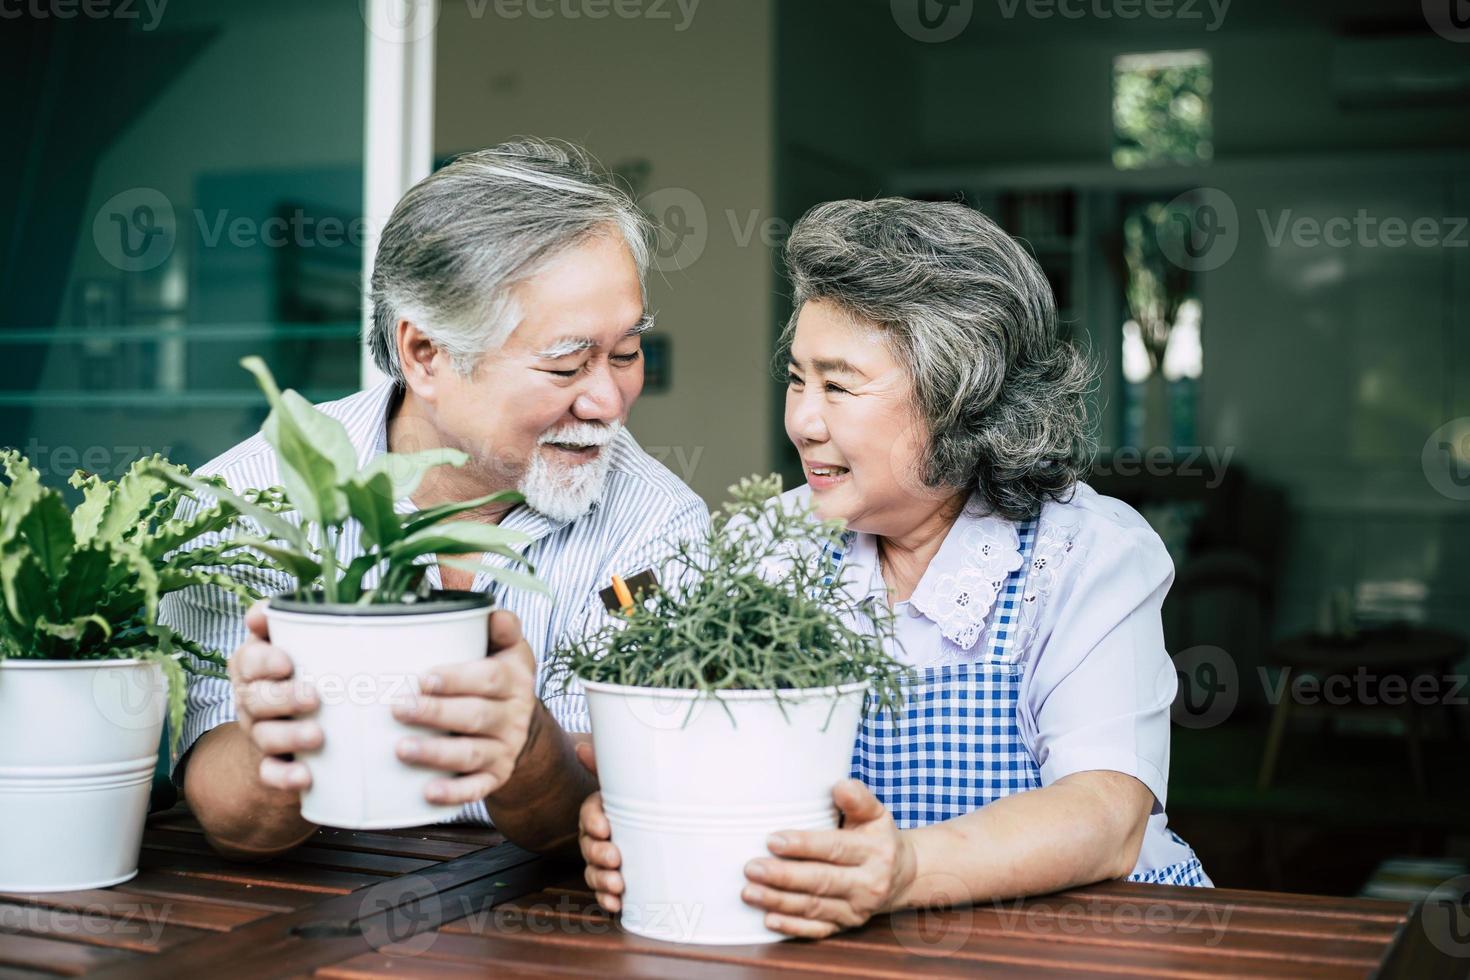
(962, 581)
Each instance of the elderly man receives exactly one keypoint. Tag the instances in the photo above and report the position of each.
(508, 303)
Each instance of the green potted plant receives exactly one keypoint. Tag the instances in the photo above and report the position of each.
(364, 631)
(725, 707)
(86, 670)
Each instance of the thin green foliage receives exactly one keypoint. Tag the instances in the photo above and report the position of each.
(759, 612)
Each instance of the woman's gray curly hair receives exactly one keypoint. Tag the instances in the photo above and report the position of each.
(971, 317)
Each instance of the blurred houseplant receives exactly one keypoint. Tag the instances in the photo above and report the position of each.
(86, 669)
(726, 709)
(364, 646)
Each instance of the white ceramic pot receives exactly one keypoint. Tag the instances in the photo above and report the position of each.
(362, 661)
(78, 747)
(692, 791)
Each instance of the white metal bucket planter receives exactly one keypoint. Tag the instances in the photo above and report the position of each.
(78, 747)
(362, 660)
(693, 795)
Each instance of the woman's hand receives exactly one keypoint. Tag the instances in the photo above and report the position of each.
(823, 881)
(594, 836)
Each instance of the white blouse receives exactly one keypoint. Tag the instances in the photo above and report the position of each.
(1097, 682)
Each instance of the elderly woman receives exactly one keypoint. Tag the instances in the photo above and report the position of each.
(938, 415)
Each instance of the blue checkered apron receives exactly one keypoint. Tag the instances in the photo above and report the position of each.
(956, 744)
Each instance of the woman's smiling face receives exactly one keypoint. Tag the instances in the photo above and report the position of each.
(850, 414)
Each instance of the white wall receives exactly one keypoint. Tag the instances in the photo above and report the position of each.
(692, 97)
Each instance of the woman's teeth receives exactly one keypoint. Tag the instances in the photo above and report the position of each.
(828, 470)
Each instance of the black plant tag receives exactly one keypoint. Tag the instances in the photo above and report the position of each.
(641, 586)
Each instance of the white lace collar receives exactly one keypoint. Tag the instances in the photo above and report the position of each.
(961, 583)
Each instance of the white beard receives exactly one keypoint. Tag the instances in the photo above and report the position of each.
(565, 493)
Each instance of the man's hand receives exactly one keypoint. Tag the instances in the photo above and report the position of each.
(269, 705)
(485, 708)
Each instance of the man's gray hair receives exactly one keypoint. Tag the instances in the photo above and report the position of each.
(970, 316)
(464, 236)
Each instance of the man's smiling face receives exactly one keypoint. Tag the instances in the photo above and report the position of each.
(538, 414)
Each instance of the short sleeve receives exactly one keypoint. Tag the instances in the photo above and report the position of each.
(1097, 692)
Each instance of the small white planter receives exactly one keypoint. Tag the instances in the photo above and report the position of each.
(78, 747)
(691, 802)
(362, 660)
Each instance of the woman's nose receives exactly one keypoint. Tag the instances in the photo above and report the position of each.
(804, 419)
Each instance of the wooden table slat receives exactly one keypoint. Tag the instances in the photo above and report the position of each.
(308, 855)
(396, 843)
(885, 948)
(276, 874)
(196, 888)
(198, 915)
(146, 931)
(56, 955)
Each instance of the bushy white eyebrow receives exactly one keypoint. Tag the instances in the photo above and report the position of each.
(568, 346)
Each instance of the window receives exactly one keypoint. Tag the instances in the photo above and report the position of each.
(1161, 109)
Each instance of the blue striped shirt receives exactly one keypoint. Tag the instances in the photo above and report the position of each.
(644, 510)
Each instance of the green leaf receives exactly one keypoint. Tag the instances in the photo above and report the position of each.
(371, 500)
(145, 579)
(350, 586)
(269, 521)
(84, 580)
(132, 499)
(407, 470)
(46, 528)
(505, 576)
(304, 568)
(421, 519)
(178, 688)
(21, 494)
(27, 593)
(87, 518)
(74, 630)
(459, 537)
(313, 450)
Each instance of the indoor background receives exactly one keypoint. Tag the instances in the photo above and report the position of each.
(1253, 214)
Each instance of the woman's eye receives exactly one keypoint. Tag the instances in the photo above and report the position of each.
(626, 358)
(566, 374)
(836, 389)
(793, 380)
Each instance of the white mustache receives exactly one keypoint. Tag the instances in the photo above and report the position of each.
(583, 434)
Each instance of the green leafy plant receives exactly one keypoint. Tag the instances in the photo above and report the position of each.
(761, 610)
(326, 488)
(84, 584)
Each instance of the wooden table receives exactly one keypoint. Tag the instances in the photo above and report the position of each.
(451, 901)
